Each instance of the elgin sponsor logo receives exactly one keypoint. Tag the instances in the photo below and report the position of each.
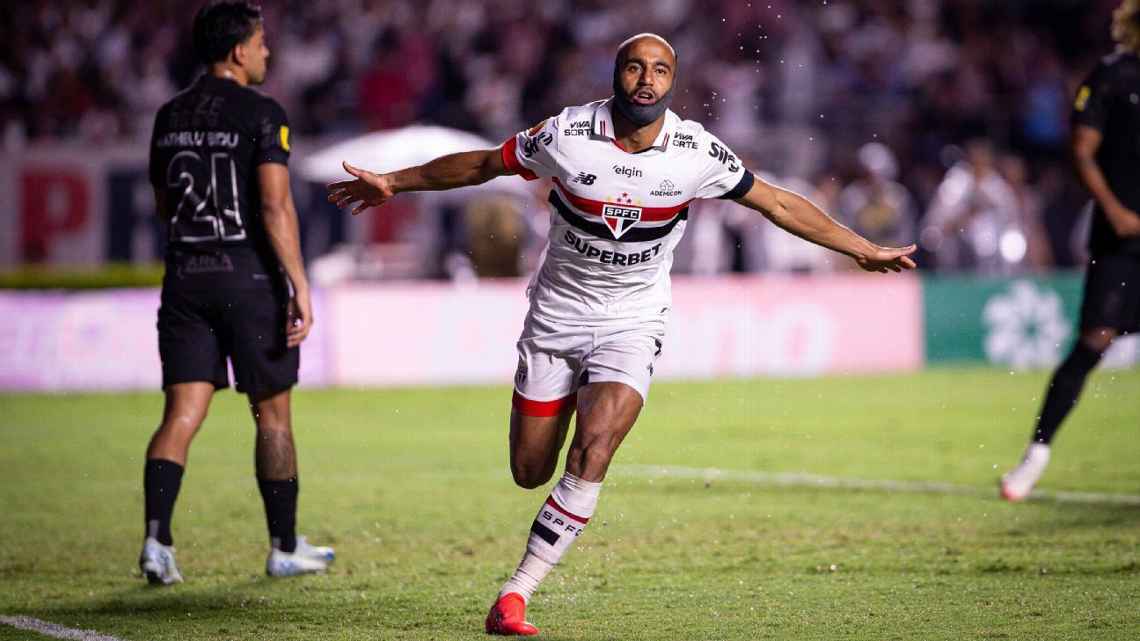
(628, 172)
(620, 218)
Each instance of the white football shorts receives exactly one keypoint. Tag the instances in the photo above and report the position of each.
(556, 359)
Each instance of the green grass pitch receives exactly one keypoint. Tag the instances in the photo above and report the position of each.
(412, 488)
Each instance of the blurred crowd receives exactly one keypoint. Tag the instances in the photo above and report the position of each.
(943, 121)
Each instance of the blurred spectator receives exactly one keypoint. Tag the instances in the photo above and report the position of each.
(801, 83)
(1029, 212)
(494, 235)
(973, 216)
(387, 93)
(875, 205)
(721, 237)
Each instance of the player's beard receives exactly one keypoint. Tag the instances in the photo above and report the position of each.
(640, 115)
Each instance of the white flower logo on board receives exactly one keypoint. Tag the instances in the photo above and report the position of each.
(1025, 327)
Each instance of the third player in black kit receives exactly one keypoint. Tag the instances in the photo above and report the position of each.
(235, 286)
(1106, 151)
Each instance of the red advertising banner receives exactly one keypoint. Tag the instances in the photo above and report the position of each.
(68, 206)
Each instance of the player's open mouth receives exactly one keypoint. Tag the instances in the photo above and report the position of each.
(644, 97)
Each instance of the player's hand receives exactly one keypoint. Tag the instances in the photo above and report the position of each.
(299, 319)
(372, 190)
(883, 259)
(1125, 222)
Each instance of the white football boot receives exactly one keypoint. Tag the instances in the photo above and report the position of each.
(1018, 482)
(305, 559)
(157, 563)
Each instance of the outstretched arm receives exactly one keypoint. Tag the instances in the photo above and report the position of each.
(797, 215)
(446, 172)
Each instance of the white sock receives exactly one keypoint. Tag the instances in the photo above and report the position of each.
(559, 522)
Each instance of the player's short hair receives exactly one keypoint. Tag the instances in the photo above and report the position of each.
(221, 26)
(623, 48)
(1126, 25)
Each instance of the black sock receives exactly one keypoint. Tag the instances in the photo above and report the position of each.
(161, 482)
(1064, 390)
(280, 499)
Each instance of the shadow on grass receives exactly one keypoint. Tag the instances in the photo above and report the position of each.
(255, 604)
(1058, 516)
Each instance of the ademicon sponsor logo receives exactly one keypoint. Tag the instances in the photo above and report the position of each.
(666, 188)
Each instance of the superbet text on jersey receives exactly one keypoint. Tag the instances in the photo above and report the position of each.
(616, 216)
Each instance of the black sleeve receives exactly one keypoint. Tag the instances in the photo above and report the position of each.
(1090, 108)
(741, 188)
(272, 131)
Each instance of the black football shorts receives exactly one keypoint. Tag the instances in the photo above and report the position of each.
(1112, 293)
(198, 329)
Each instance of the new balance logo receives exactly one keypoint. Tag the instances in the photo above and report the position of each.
(584, 178)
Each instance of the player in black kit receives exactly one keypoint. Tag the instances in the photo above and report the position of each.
(1106, 151)
(235, 284)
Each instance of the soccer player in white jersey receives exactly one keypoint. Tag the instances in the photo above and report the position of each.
(623, 172)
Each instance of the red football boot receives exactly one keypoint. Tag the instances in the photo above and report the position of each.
(508, 617)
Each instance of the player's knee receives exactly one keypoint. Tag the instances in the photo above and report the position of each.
(186, 422)
(273, 426)
(529, 475)
(529, 482)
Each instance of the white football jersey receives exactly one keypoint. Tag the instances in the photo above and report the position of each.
(616, 217)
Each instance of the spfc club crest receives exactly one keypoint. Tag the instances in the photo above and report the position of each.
(620, 218)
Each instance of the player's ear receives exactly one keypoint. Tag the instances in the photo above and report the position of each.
(241, 51)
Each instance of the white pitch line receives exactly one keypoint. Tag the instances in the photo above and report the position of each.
(55, 630)
(796, 479)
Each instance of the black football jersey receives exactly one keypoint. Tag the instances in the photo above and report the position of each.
(207, 144)
(1109, 101)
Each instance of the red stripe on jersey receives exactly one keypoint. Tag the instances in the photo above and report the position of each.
(648, 214)
(554, 504)
(542, 409)
(511, 161)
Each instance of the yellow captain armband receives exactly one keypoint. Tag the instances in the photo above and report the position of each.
(283, 136)
(1082, 100)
